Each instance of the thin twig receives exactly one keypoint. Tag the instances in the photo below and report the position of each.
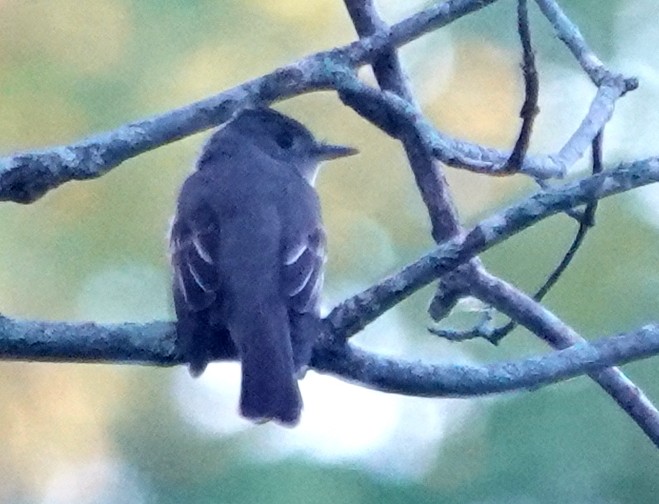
(586, 221)
(351, 316)
(531, 88)
(394, 116)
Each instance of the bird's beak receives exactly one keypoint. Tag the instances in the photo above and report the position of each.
(326, 152)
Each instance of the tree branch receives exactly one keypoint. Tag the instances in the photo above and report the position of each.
(427, 380)
(531, 88)
(25, 177)
(568, 32)
(354, 314)
(59, 341)
(154, 343)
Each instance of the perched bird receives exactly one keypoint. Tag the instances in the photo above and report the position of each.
(247, 249)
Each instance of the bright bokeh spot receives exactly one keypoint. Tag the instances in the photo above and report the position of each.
(341, 422)
(99, 481)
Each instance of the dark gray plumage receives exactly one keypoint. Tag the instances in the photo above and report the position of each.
(247, 249)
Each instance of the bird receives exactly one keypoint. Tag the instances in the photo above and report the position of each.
(247, 249)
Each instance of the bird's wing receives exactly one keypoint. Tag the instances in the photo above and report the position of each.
(303, 270)
(193, 247)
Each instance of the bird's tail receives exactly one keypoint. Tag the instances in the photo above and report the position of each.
(269, 386)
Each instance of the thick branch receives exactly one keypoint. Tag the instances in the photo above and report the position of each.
(427, 380)
(25, 177)
(391, 78)
(428, 173)
(88, 342)
(354, 314)
(381, 108)
(154, 344)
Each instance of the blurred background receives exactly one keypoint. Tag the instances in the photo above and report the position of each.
(96, 251)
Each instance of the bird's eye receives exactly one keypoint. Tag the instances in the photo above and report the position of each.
(284, 139)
